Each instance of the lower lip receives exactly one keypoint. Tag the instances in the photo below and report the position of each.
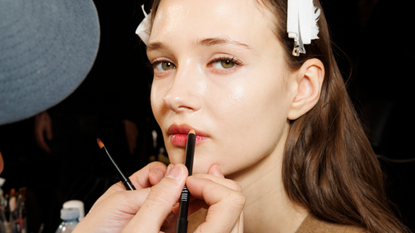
(179, 140)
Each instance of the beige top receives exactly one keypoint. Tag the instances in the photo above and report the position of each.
(311, 224)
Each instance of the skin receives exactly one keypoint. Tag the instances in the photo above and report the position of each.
(243, 107)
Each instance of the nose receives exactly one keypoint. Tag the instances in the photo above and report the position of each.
(184, 94)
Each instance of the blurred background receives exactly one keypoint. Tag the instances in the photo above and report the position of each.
(54, 155)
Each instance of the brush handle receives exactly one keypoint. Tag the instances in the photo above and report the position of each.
(190, 151)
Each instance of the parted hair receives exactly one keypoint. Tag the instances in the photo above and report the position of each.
(329, 166)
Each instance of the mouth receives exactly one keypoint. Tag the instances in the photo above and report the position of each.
(178, 134)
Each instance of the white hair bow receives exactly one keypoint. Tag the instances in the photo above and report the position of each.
(302, 17)
(143, 29)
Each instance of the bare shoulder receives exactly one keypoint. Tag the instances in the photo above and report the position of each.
(314, 225)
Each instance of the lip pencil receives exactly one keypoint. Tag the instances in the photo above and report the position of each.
(125, 180)
(181, 224)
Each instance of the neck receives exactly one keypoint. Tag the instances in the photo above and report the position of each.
(267, 207)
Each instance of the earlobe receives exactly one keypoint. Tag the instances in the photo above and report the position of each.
(309, 81)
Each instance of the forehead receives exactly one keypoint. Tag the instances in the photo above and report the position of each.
(183, 20)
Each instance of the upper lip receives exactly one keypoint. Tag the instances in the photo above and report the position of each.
(183, 129)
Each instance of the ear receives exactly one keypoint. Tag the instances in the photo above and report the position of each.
(309, 79)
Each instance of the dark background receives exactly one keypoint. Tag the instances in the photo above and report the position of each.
(372, 43)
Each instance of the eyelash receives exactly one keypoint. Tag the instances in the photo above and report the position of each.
(227, 58)
(237, 62)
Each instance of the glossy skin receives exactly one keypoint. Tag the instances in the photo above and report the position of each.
(240, 106)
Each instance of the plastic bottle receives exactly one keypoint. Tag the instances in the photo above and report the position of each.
(69, 218)
(76, 204)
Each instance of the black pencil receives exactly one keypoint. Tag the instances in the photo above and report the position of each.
(125, 180)
(181, 224)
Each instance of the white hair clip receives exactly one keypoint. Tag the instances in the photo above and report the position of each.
(143, 29)
(302, 17)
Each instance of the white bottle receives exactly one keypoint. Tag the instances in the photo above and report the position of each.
(76, 204)
(69, 218)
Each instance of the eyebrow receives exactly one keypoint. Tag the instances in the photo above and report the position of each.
(219, 41)
(205, 42)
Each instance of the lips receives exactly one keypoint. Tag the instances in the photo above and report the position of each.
(178, 135)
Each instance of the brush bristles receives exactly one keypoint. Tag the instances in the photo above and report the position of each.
(100, 144)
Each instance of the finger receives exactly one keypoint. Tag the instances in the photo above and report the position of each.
(241, 222)
(225, 203)
(215, 170)
(40, 139)
(239, 226)
(115, 212)
(144, 178)
(149, 175)
(226, 182)
(159, 202)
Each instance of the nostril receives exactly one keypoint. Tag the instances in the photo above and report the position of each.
(185, 107)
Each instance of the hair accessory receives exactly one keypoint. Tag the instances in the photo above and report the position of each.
(47, 48)
(143, 29)
(302, 17)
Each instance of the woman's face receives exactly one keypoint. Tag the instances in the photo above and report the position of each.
(218, 69)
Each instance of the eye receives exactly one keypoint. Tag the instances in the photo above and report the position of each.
(225, 62)
(163, 65)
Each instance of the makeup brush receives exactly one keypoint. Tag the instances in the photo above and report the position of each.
(181, 225)
(125, 180)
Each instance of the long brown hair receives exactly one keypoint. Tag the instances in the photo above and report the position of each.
(329, 166)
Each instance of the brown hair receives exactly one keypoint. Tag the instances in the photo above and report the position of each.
(329, 166)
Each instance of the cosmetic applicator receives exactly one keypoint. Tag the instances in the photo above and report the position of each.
(181, 224)
(125, 180)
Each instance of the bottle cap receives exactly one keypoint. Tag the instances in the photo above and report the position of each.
(76, 204)
(69, 213)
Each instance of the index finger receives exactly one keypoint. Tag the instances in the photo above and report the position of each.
(225, 204)
(144, 178)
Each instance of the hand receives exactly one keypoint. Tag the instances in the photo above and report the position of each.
(149, 208)
(221, 197)
(131, 133)
(142, 210)
(43, 125)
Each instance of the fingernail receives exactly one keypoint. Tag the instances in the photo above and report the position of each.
(169, 168)
(175, 172)
(216, 171)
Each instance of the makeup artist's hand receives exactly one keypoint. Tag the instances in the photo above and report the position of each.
(221, 197)
(142, 210)
(150, 209)
(43, 126)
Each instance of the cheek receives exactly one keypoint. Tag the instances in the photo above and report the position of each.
(156, 100)
(249, 119)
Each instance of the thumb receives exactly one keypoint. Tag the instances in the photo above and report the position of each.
(160, 201)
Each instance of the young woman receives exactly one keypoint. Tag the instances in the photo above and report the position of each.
(275, 121)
